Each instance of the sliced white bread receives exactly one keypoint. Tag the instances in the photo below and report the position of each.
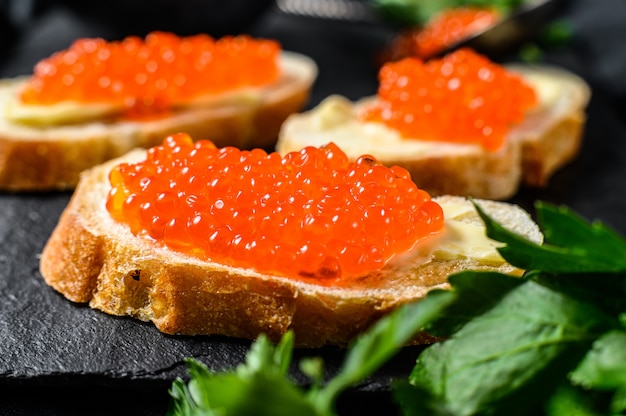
(91, 258)
(36, 156)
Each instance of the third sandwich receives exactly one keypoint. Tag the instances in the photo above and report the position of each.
(460, 125)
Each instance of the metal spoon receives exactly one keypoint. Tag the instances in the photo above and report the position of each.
(522, 25)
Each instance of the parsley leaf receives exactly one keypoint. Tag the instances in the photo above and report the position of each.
(571, 401)
(604, 368)
(605, 365)
(475, 293)
(504, 357)
(571, 245)
(372, 349)
(261, 386)
(604, 290)
(553, 340)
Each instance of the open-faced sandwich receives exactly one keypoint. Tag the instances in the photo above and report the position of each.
(460, 125)
(205, 240)
(97, 100)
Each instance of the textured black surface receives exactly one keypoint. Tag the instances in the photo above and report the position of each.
(57, 357)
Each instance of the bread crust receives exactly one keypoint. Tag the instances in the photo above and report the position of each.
(92, 259)
(51, 157)
(546, 140)
(552, 136)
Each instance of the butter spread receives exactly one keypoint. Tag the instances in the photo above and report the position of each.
(68, 112)
(465, 239)
(337, 122)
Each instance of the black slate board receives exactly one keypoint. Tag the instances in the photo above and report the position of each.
(48, 343)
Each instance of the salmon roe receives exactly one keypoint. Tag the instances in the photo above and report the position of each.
(308, 214)
(154, 73)
(444, 30)
(460, 98)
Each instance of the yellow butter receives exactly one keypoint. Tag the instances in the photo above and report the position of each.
(465, 239)
(67, 112)
(72, 112)
(335, 120)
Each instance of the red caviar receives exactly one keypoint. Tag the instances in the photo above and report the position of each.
(444, 30)
(460, 98)
(311, 213)
(152, 73)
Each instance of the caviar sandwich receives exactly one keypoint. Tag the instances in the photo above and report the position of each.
(205, 240)
(460, 125)
(97, 100)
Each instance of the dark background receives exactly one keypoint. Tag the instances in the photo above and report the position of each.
(58, 358)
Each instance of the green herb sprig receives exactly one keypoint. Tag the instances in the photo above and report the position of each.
(546, 343)
(261, 386)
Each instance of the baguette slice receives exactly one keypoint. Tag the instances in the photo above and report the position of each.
(34, 158)
(547, 139)
(90, 258)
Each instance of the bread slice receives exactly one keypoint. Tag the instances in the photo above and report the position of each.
(90, 258)
(548, 138)
(35, 157)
